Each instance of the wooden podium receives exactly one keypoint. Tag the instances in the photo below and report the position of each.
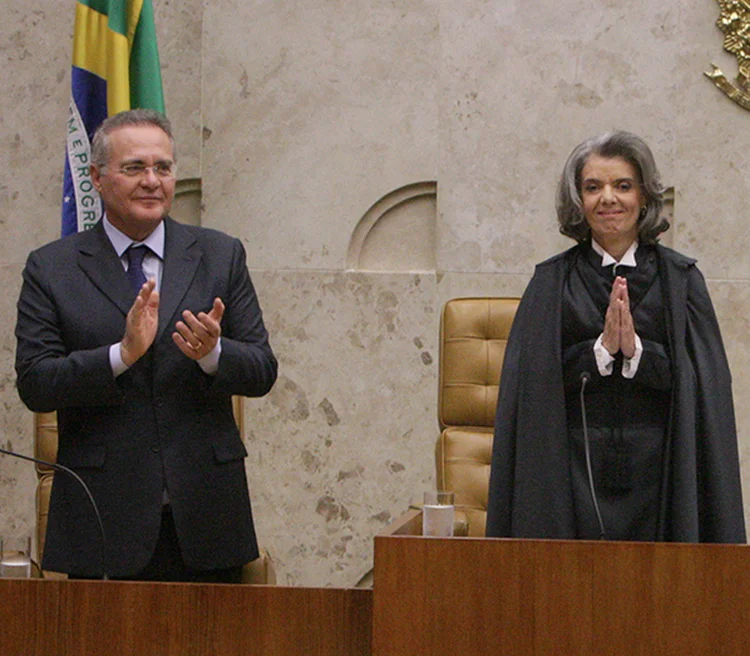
(94, 618)
(475, 596)
(431, 596)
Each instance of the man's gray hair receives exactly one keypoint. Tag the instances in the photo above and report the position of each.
(100, 151)
(632, 149)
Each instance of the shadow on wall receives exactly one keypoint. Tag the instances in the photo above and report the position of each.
(398, 232)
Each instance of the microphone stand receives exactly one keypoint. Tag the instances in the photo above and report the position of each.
(70, 472)
(585, 377)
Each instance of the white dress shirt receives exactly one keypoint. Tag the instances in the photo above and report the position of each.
(153, 266)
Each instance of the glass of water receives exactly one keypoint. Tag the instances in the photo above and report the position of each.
(15, 558)
(438, 514)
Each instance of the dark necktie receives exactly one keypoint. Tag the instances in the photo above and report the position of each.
(136, 277)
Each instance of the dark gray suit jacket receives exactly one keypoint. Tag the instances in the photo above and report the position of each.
(163, 424)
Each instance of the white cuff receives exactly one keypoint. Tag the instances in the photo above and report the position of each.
(115, 360)
(630, 365)
(604, 361)
(210, 362)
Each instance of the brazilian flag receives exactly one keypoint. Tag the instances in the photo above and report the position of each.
(115, 67)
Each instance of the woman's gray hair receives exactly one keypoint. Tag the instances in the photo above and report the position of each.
(100, 150)
(611, 144)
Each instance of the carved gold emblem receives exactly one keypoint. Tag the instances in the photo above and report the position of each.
(734, 21)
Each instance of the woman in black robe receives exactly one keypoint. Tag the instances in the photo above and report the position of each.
(630, 323)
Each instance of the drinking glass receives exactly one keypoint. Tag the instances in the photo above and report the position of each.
(438, 513)
(15, 558)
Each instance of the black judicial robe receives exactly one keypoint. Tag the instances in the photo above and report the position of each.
(530, 494)
(627, 417)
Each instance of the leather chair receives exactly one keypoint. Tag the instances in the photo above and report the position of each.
(45, 448)
(473, 336)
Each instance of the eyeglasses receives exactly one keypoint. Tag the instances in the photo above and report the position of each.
(160, 169)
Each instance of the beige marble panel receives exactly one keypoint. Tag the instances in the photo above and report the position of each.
(35, 54)
(732, 300)
(712, 180)
(523, 83)
(17, 477)
(462, 285)
(345, 440)
(179, 34)
(186, 206)
(313, 111)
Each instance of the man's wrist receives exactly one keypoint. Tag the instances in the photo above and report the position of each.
(127, 358)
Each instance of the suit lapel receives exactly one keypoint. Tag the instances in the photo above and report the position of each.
(98, 260)
(181, 258)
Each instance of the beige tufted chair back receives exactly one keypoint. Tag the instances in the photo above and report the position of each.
(473, 336)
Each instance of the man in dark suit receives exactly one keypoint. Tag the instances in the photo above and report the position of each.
(140, 356)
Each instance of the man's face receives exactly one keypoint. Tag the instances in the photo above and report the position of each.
(136, 200)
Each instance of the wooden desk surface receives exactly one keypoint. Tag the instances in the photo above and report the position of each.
(112, 618)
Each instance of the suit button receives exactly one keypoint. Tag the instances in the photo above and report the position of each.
(155, 448)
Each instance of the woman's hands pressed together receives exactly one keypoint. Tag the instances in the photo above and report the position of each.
(619, 331)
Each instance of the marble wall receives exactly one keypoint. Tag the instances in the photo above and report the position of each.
(302, 119)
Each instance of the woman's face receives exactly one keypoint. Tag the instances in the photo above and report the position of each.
(612, 199)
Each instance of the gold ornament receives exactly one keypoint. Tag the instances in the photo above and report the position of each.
(734, 22)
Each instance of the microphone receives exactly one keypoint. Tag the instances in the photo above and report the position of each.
(585, 378)
(70, 472)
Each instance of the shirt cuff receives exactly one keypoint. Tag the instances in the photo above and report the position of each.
(209, 363)
(605, 362)
(115, 360)
(630, 365)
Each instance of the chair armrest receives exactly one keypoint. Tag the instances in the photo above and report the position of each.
(409, 523)
(260, 571)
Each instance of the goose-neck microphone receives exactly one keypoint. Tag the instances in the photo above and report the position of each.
(585, 378)
(70, 472)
